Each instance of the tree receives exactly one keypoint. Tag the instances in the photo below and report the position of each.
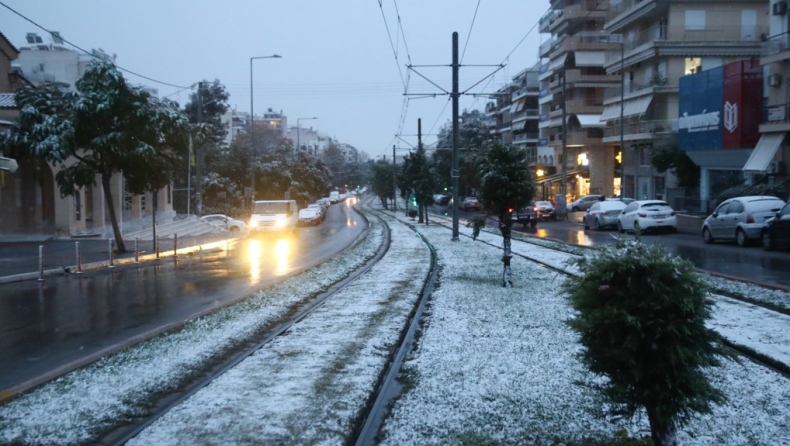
(381, 182)
(103, 127)
(207, 105)
(303, 176)
(336, 162)
(505, 184)
(641, 315)
(471, 138)
(419, 179)
(670, 157)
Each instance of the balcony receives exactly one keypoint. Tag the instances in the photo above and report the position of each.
(545, 48)
(586, 106)
(678, 41)
(548, 19)
(524, 115)
(526, 137)
(584, 40)
(582, 137)
(658, 84)
(575, 78)
(640, 130)
(775, 49)
(524, 91)
(627, 11)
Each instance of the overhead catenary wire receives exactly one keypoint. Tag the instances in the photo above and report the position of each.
(469, 34)
(91, 53)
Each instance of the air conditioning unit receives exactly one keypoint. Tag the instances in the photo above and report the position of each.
(775, 80)
(780, 8)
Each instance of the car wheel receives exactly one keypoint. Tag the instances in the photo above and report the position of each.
(768, 243)
(234, 229)
(620, 228)
(740, 237)
(575, 209)
(586, 226)
(597, 225)
(534, 224)
(637, 228)
(706, 236)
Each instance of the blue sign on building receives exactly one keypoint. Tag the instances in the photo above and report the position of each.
(700, 110)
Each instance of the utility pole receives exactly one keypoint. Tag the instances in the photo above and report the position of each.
(394, 180)
(622, 104)
(564, 184)
(421, 205)
(198, 160)
(454, 171)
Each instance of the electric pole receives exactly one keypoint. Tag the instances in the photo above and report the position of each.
(198, 157)
(454, 171)
(394, 180)
(564, 183)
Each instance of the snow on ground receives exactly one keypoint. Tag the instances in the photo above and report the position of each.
(71, 409)
(491, 363)
(500, 364)
(308, 386)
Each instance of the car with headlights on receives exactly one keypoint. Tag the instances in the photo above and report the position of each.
(740, 219)
(545, 210)
(647, 215)
(224, 222)
(603, 214)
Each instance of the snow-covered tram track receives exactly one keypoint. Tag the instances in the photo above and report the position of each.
(752, 330)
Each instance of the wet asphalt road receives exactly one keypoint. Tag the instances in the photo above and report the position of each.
(750, 263)
(72, 319)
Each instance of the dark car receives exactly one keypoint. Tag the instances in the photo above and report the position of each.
(776, 232)
(526, 216)
(442, 200)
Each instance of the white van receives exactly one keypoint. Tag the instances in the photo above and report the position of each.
(334, 196)
(274, 216)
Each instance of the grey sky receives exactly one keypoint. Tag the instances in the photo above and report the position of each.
(337, 65)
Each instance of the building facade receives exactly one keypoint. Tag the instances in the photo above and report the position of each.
(573, 79)
(771, 156)
(662, 41)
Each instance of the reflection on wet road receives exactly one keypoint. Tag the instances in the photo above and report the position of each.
(69, 318)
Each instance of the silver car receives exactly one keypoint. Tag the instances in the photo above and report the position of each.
(603, 214)
(740, 219)
(584, 203)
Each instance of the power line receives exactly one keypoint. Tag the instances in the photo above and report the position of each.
(91, 54)
(469, 34)
(392, 45)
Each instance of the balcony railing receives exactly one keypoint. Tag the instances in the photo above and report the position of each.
(776, 44)
(642, 128)
(632, 87)
(616, 8)
(774, 114)
(548, 17)
(546, 46)
(721, 34)
(525, 137)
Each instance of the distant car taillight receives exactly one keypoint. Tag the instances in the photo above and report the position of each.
(749, 218)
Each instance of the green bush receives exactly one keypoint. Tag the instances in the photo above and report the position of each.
(641, 319)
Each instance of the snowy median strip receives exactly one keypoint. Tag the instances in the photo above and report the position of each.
(499, 364)
(76, 407)
(307, 387)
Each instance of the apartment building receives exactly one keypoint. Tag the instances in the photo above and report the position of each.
(573, 79)
(525, 112)
(771, 156)
(662, 41)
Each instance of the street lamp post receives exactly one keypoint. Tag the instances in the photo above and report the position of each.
(299, 132)
(252, 130)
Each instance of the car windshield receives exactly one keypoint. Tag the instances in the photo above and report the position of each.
(654, 205)
(543, 203)
(271, 208)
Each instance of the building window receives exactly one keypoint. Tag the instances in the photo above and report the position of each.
(695, 20)
(644, 155)
(693, 65)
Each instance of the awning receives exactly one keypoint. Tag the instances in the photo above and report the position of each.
(764, 152)
(589, 58)
(631, 107)
(556, 63)
(518, 105)
(732, 159)
(558, 176)
(587, 121)
(513, 107)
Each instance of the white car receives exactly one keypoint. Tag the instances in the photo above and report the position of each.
(644, 215)
(309, 216)
(224, 222)
(584, 203)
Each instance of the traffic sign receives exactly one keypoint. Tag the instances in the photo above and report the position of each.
(8, 164)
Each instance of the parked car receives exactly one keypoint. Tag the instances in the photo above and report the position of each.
(584, 203)
(309, 216)
(545, 210)
(442, 200)
(526, 216)
(603, 214)
(776, 231)
(471, 203)
(644, 215)
(740, 219)
(224, 222)
(624, 200)
(320, 209)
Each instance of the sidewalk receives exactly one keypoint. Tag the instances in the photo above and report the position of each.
(19, 259)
